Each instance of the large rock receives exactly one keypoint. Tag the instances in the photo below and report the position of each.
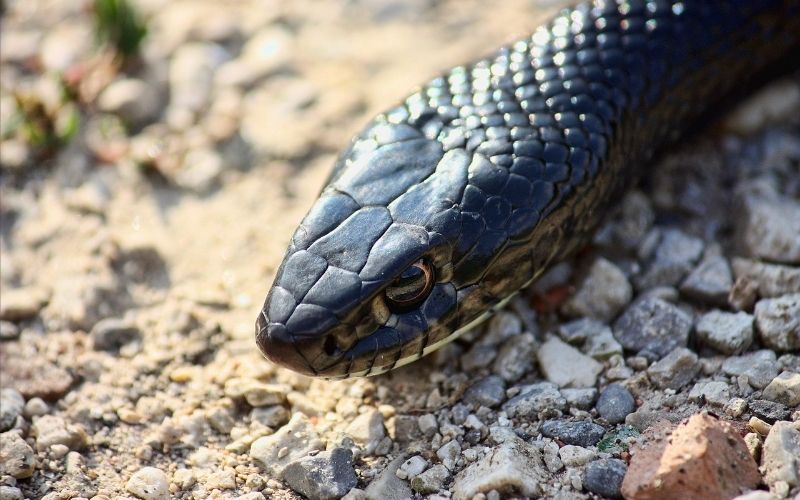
(703, 458)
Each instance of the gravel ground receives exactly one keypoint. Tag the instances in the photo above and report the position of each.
(146, 204)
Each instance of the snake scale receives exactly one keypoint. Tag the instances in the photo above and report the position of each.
(447, 204)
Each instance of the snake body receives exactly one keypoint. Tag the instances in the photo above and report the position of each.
(489, 174)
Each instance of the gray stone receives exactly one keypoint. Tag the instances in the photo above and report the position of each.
(674, 370)
(584, 433)
(575, 456)
(327, 475)
(406, 429)
(576, 332)
(149, 483)
(367, 430)
(449, 454)
(601, 294)
(653, 327)
(769, 411)
(138, 102)
(533, 399)
(515, 357)
(710, 281)
(784, 389)
(412, 467)
(770, 228)
(760, 367)
(728, 333)
(270, 416)
(16, 456)
(714, 393)
(10, 493)
(603, 345)
(780, 455)
(110, 334)
(387, 486)
(604, 477)
(478, 356)
(11, 405)
(615, 403)
(674, 257)
(580, 398)
(428, 425)
(512, 466)
(778, 322)
(8, 330)
(430, 481)
(292, 441)
(566, 366)
(489, 392)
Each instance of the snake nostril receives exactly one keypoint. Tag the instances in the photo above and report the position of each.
(330, 346)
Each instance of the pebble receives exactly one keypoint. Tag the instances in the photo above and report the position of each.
(674, 370)
(200, 170)
(575, 456)
(615, 403)
(11, 406)
(221, 480)
(367, 430)
(769, 228)
(256, 393)
(604, 477)
(10, 493)
(580, 398)
(653, 327)
(22, 303)
(16, 456)
(770, 280)
(710, 281)
(760, 367)
(768, 411)
(714, 393)
(449, 454)
(327, 475)
(584, 433)
(533, 399)
(728, 333)
(430, 481)
(759, 426)
(784, 389)
(135, 101)
(428, 425)
(111, 334)
(50, 430)
(778, 322)
(478, 356)
(515, 357)
(294, 440)
(780, 455)
(513, 465)
(601, 294)
(489, 392)
(149, 483)
(8, 330)
(566, 366)
(270, 416)
(412, 467)
(387, 486)
(191, 75)
(702, 458)
(675, 256)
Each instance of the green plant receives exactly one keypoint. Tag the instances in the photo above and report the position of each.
(118, 24)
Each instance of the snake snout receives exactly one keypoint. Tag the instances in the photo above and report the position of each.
(277, 344)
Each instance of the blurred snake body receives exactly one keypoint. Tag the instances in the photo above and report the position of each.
(447, 204)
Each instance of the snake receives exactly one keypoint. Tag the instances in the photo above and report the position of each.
(451, 201)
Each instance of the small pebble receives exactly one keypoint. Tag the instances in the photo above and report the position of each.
(11, 406)
(674, 370)
(430, 481)
(18, 459)
(768, 411)
(653, 327)
(784, 389)
(760, 367)
(601, 294)
(149, 483)
(566, 366)
(584, 433)
(489, 392)
(604, 477)
(327, 475)
(728, 333)
(615, 403)
(778, 322)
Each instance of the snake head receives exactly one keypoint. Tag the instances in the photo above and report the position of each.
(366, 278)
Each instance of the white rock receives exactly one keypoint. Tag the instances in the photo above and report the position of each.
(292, 441)
(149, 483)
(784, 389)
(575, 456)
(566, 366)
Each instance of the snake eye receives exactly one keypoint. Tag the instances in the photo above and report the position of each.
(411, 287)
